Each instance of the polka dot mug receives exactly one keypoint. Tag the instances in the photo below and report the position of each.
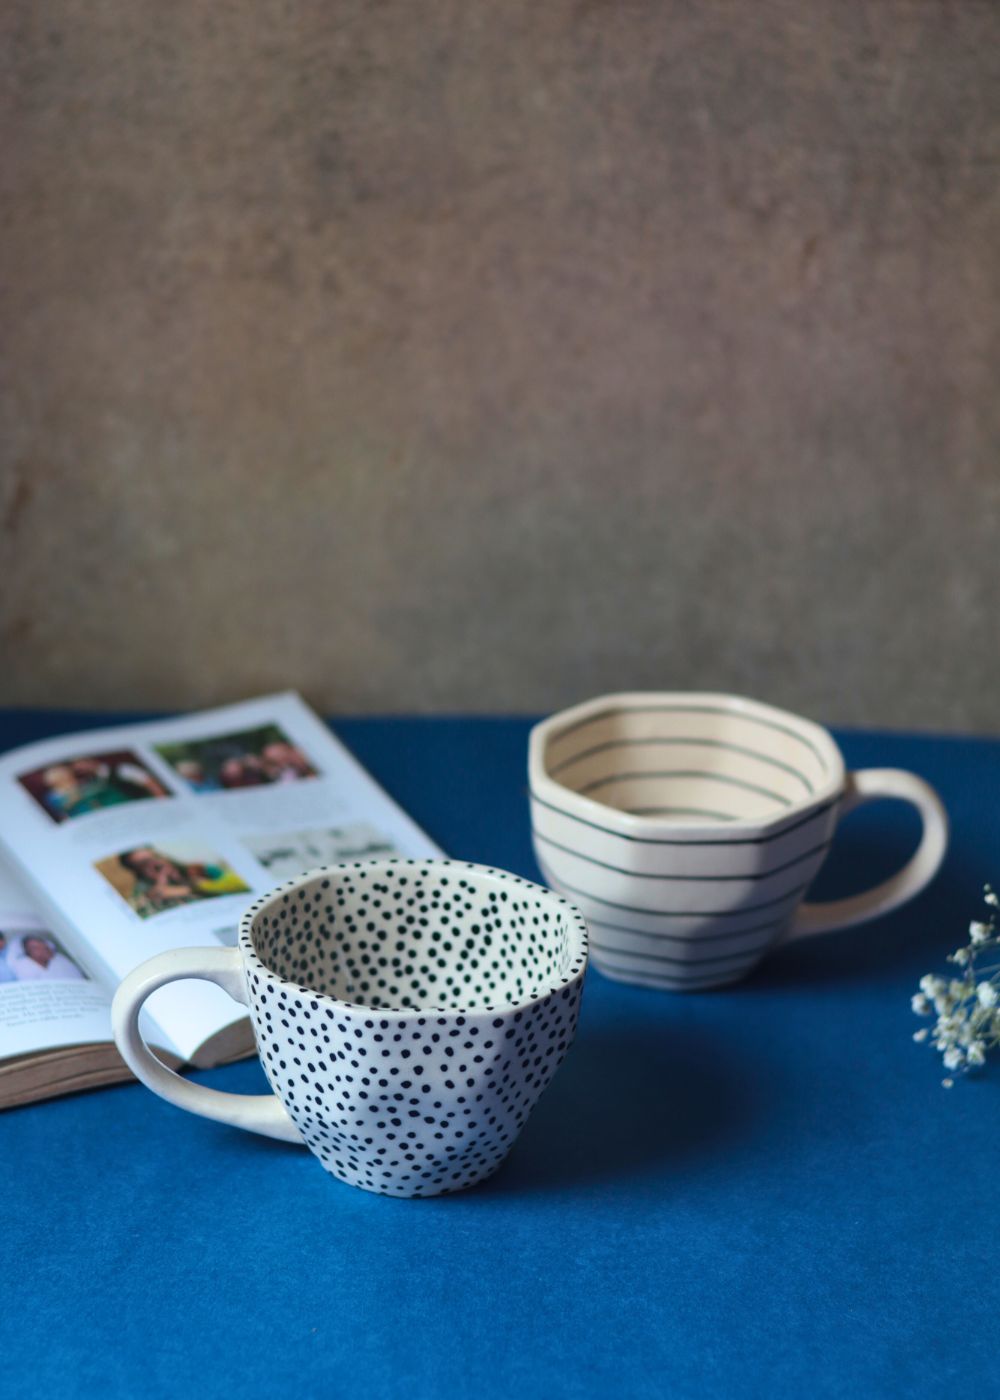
(408, 1015)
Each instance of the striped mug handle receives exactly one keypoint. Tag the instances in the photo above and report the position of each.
(865, 786)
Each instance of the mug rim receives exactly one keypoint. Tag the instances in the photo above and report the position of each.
(551, 793)
(577, 932)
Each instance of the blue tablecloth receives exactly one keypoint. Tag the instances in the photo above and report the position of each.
(760, 1191)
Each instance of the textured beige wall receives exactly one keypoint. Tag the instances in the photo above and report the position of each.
(490, 355)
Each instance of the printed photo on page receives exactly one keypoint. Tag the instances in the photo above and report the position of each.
(47, 998)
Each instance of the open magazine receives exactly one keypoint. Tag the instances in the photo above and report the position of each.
(119, 843)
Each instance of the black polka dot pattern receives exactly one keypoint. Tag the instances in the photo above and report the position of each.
(409, 1014)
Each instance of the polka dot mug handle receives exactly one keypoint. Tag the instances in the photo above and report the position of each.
(258, 1113)
(866, 786)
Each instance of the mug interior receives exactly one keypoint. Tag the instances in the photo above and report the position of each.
(421, 935)
(703, 759)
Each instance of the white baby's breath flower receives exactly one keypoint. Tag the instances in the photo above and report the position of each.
(947, 1083)
(967, 1007)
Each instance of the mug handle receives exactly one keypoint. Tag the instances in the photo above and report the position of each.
(865, 786)
(258, 1113)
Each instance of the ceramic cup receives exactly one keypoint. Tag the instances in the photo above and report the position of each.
(408, 1015)
(688, 827)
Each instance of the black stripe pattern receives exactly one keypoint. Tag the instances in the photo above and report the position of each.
(718, 712)
(753, 803)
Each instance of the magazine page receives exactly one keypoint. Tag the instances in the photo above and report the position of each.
(47, 999)
(145, 837)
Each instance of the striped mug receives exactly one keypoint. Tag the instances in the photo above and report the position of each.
(688, 827)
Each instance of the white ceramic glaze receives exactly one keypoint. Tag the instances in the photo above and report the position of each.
(688, 826)
(408, 1015)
